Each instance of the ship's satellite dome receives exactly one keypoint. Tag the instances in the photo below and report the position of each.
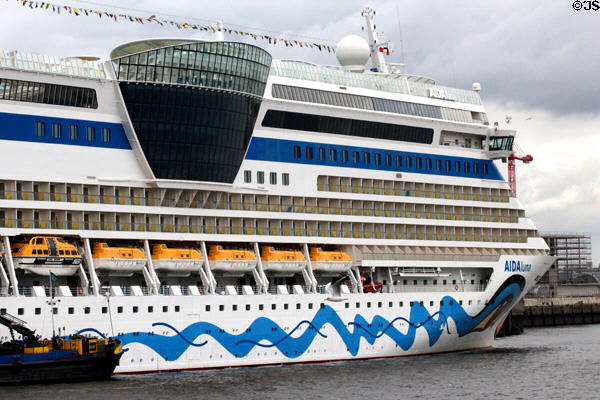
(353, 52)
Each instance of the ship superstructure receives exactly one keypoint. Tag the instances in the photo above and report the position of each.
(221, 208)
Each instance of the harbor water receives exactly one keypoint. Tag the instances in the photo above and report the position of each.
(548, 363)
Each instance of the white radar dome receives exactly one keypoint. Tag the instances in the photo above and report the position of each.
(353, 52)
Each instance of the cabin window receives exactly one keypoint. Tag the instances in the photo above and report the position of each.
(451, 302)
(150, 309)
(56, 130)
(332, 155)
(429, 163)
(297, 152)
(46, 252)
(379, 304)
(321, 154)
(470, 302)
(260, 177)
(420, 303)
(322, 305)
(61, 252)
(310, 306)
(444, 282)
(460, 302)
(261, 307)
(367, 158)
(273, 306)
(448, 165)
(285, 306)
(388, 160)
(285, 179)
(438, 165)
(408, 162)
(355, 157)
(398, 161)
(135, 309)
(165, 308)
(120, 309)
(40, 129)
(90, 133)
(20, 311)
(412, 303)
(298, 306)
(419, 163)
(441, 302)
(457, 166)
(233, 307)
(71, 310)
(207, 308)
(401, 304)
(431, 303)
(73, 132)
(247, 176)
(390, 304)
(476, 168)
(104, 310)
(357, 305)
(345, 156)
(368, 304)
(309, 153)
(377, 159)
(467, 167)
(347, 305)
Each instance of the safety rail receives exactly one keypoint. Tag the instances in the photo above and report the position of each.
(412, 193)
(455, 288)
(427, 257)
(261, 231)
(259, 206)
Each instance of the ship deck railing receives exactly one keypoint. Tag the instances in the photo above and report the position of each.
(262, 231)
(167, 202)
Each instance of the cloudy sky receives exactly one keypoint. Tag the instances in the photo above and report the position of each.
(537, 60)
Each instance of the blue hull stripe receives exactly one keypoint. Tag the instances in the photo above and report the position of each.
(22, 127)
(279, 150)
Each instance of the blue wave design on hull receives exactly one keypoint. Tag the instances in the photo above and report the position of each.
(264, 332)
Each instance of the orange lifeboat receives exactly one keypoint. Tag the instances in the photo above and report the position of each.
(117, 261)
(282, 261)
(174, 261)
(231, 261)
(329, 261)
(41, 255)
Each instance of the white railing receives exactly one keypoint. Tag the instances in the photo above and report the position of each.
(52, 64)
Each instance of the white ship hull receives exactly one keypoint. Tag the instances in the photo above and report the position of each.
(184, 335)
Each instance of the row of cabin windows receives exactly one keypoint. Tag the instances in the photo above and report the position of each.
(346, 156)
(57, 132)
(47, 93)
(234, 307)
(260, 177)
(444, 282)
(88, 310)
(60, 252)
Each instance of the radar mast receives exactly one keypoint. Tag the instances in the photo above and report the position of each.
(377, 44)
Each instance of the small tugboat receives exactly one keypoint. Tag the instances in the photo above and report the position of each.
(71, 359)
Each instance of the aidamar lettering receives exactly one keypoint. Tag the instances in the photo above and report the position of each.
(516, 266)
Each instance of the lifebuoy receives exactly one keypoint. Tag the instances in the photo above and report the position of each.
(80, 291)
(46, 342)
(59, 342)
(456, 287)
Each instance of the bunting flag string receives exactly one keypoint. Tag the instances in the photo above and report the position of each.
(153, 19)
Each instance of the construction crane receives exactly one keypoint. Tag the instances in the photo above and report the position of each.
(516, 154)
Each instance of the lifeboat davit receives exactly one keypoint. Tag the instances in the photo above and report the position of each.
(329, 261)
(282, 261)
(231, 261)
(117, 261)
(41, 255)
(175, 262)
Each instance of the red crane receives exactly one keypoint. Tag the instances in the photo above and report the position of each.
(516, 154)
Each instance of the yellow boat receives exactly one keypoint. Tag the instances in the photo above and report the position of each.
(41, 255)
(117, 261)
(282, 261)
(174, 261)
(329, 261)
(230, 260)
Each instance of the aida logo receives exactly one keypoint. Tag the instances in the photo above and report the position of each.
(516, 266)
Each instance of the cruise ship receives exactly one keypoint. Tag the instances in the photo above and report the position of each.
(212, 207)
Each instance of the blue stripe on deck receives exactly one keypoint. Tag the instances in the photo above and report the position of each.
(279, 150)
(22, 127)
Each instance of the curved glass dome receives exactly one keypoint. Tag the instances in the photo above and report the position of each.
(194, 105)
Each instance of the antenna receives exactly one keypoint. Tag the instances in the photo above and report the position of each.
(376, 43)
